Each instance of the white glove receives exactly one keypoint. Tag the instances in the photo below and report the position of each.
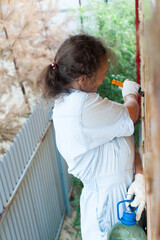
(137, 188)
(130, 87)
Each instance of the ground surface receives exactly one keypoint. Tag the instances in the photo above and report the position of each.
(69, 231)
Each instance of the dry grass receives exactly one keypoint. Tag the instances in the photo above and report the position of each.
(30, 35)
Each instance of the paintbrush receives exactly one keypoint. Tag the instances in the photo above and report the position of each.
(120, 84)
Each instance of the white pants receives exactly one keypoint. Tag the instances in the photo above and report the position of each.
(98, 204)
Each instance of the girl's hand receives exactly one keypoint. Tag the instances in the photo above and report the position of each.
(137, 188)
(130, 87)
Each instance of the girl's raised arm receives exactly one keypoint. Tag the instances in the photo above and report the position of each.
(130, 93)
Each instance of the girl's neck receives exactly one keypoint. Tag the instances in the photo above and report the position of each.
(75, 85)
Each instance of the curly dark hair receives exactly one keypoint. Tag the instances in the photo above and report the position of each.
(78, 55)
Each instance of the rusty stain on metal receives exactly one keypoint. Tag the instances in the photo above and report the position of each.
(45, 133)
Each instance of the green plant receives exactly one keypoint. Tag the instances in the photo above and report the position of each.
(77, 186)
(114, 23)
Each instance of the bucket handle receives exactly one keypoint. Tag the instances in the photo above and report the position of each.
(118, 207)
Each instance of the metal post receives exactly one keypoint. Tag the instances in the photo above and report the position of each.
(60, 162)
(137, 21)
(81, 18)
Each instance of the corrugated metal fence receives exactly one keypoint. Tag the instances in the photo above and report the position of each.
(34, 183)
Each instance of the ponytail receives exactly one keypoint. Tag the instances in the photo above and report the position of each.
(49, 82)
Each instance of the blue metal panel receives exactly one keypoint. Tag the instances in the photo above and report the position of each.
(34, 182)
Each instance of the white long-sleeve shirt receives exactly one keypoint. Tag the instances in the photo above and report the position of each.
(94, 136)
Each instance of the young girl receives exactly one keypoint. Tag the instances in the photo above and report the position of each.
(94, 135)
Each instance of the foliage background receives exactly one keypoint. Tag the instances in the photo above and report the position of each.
(114, 23)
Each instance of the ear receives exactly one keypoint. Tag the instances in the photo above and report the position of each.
(82, 80)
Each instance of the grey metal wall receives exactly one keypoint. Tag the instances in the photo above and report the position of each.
(34, 183)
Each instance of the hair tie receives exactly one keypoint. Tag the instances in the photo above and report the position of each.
(54, 65)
